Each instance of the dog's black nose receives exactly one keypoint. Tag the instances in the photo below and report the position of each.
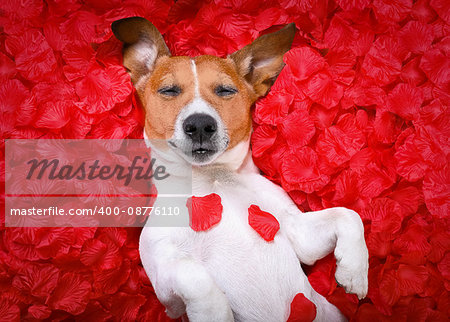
(200, 127)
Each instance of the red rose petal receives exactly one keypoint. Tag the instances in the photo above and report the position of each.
(264, 223)
(78, 59)
(385, 215)
(95, 312)
(440, 243)
(301, 172)
(422, 11)
(110, 280)
(71, 294)
(323, 90)
(263, 137)
(304, 62)
(345, 302)
(111, 127)
(297, 128)
(405, 100)
(367, 312)
(414, 239)
(389, 288)
(7, 66)
(391, 11)
(93, 252)
(53, 115)
(436, 192)
(273, 108)
(412, 74)
(40, 312)
(436, 66)
(321, 275)
(9, 103)
(204, 212)
(127, 305)
(409, 162)
(412, 279)
(340, 33)
(358, 4)
(444, 267)
(22, 242)
(386, 127)
(269, 17)
(81, 26)
(302, 309)
(363, 95)
(416, 36)
(37, 280)
(379, 244)
(34, 58)
(9, 311)
(442, 7)
(338, 144)
(383, 62)
(409, 198)
(341, 65)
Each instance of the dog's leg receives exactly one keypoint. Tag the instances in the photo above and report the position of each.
(315, 234)
(181, 283)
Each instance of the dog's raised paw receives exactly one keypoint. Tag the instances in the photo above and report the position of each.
(352, 274)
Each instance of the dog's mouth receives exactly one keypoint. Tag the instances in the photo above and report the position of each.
(202, 154)
(203, 151)
(197, 154)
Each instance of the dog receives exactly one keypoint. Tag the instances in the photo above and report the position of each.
(201, 106)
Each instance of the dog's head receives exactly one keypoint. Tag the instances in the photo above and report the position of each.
(201, 105)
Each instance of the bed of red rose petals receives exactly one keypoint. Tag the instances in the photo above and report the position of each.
(357, 118)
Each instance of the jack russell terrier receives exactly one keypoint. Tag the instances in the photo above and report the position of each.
(201, 106)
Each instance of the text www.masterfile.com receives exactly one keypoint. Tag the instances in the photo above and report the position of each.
(97, 210)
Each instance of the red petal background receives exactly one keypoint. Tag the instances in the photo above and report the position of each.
(358, 118)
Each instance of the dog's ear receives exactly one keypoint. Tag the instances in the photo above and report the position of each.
(143, 45)
(261, 61)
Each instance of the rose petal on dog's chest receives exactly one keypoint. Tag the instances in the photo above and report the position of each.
(302, 309)
(204, 212)
(263, 223)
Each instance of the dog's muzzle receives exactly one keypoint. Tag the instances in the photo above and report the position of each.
(201, 130)
(199, 137)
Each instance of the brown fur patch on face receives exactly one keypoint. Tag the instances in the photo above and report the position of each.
(161, 111)
(235, 109)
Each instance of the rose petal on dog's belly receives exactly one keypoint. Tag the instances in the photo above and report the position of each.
(204, 212)
(264, 223)
(302, 309)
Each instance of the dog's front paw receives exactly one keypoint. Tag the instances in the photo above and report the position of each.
(352, 271)
(204, 301)
(175, 311)
(211, 308)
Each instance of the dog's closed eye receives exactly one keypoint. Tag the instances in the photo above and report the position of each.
(225, 90)
(172, 90)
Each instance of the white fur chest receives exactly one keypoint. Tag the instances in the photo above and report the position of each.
(259, 278)
(229, 272)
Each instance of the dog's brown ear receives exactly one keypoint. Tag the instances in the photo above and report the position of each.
(261, 61)
(143, 45)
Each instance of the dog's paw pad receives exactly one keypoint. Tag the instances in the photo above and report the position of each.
(353, 278)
